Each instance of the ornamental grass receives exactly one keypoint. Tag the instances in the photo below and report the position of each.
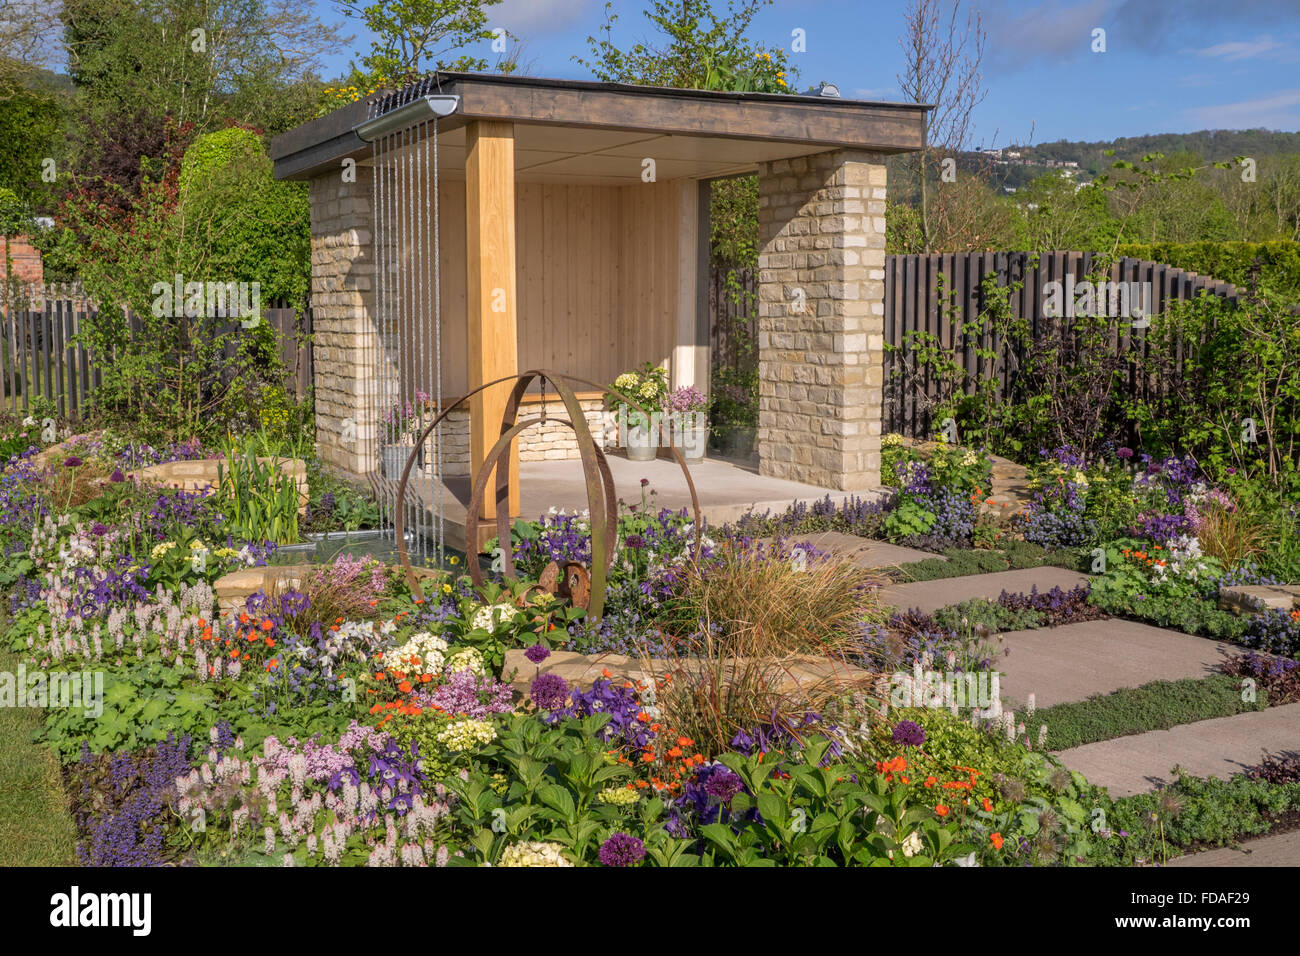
(778, 599)
(769, 632)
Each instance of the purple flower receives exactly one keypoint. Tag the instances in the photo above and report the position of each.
(1125, 453)
(537, 653)
(634, 541)
(117, 475)
(723, 786)
(622, 849)
(908, 733)
(73, 462)
(549, 691)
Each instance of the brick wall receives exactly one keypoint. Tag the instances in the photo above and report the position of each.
(23, 258)
(821, 314)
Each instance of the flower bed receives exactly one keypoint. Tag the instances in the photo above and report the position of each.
(323, 715)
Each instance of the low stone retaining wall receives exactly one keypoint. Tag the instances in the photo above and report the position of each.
(1252, 599)
(788, 676)
(201, 475)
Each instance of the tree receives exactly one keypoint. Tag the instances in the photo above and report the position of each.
(31, 131)
(1062, 214)
(414, 36)
(702, 49)
(942, 68)
(206, 62)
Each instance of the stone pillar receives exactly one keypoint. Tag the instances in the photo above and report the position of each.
(821, 314)
(343, 314)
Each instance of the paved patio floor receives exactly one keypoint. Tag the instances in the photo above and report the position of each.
(727, 488)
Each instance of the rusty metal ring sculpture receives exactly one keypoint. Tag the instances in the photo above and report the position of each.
(602, 506)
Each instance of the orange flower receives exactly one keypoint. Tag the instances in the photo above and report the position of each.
(379, 675)
(930, 781)
(272, 664)
(941, 810)
(404, 687)
(996, 840)
(267, 624)
(988, 805)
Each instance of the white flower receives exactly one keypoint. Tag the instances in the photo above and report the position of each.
(422, 654)
(468, 659)
(913, 845)
(533, 854)
(467, 734)
(488, 617)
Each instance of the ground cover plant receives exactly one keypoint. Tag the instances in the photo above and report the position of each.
(1158, 705)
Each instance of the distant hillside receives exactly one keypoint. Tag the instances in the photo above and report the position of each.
(1211, 145)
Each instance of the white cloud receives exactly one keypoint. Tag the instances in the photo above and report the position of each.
(522, 17)
(1279, 111)
(1242, 49)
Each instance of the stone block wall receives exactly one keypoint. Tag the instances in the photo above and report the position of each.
(342, 278)
(821, 312)
(553, 441)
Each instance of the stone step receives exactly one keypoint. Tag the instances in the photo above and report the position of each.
(1218, 747)
(929, 596)
(866, 553)
(1076, 661)
(1278, 849)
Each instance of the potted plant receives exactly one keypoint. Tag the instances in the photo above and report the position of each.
(639, 431)
(400, 427)
(690, 423)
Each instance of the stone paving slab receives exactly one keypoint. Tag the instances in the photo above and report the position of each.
(1076, 661)
(866, 553)
(1283, 849)
(1208, 748)
(929, 596)
(1251, 599)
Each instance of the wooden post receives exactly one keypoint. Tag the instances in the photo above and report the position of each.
(490, 287)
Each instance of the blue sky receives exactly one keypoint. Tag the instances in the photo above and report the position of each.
(1169, 66)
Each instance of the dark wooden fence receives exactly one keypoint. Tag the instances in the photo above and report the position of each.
(915, 302)
(940, 293)
(733, 319)
(42, 353)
